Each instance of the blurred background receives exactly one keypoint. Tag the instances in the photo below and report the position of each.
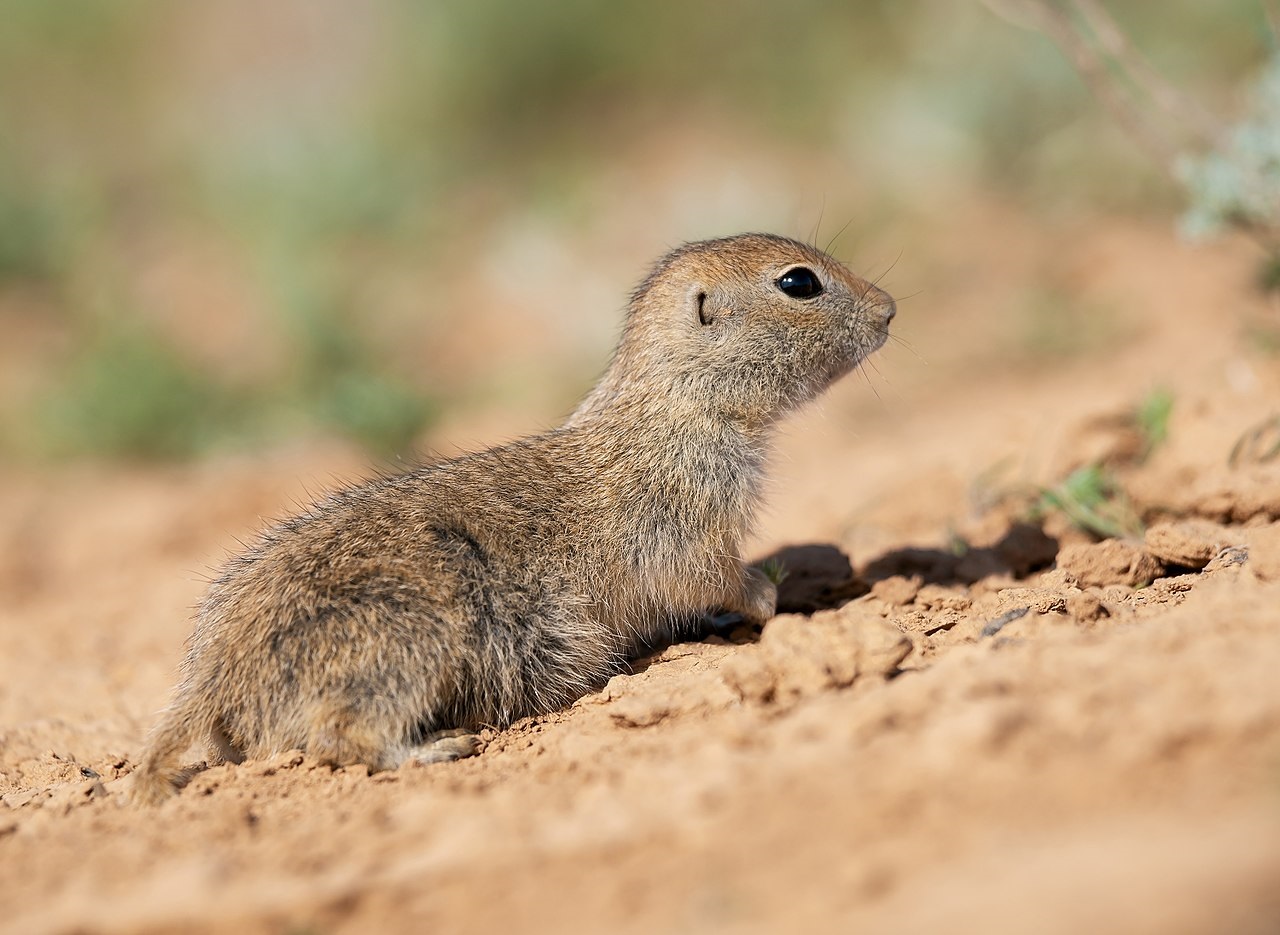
(238, 224)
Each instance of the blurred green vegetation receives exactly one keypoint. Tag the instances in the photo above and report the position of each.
(325, 147)
(1151, 418)
(126, 393)
(1093, 501)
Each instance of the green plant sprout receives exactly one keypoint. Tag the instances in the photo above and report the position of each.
(774, 570)
(1152, 420)
(1091, 499)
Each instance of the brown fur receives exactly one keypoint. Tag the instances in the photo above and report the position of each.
(392, 617)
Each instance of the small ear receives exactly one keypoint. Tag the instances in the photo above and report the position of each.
(710, 308)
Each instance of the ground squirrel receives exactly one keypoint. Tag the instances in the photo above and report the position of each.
(392, 619)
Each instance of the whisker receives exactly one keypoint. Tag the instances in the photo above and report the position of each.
(872, 364)
(907, 346)
(832, 241)
(877, 280)
(818, 226)
(862, 369)
(903, 343)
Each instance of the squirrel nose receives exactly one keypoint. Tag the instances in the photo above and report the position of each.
(877, 298)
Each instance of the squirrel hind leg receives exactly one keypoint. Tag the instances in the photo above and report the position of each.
(756, 600)
(341, 735)
(445, 745)
(221, 747)
(161, 773)
(150, 787)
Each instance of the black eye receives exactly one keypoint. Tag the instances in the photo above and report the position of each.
(800, 283)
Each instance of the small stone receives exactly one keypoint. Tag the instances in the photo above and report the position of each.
(999, 623)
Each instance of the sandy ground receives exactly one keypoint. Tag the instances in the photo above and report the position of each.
(981, 725)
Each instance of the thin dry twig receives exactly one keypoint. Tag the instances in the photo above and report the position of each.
(1271, 10)
(1057, 24)
(1129, 58)
(1168, 124)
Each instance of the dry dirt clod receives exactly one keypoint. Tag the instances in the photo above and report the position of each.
(69, 795)
(897, 590)
(1177, 584)
(1264, 551)
(1230, 557)
(1039, 600)
(881, 645)
(1111, 561)
(1058, 579)
(750, 675)
(937, 621)
(20, 798)
(937, 597)
(1086, 606)
(639, 711)
(799, 656)
(1191, 544)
